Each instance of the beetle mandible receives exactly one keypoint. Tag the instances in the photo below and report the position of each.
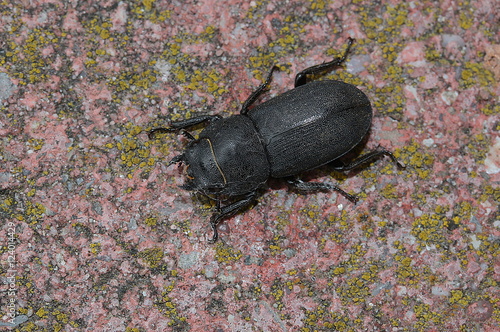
(309, 126)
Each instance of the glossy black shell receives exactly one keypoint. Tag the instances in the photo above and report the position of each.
(311, 125)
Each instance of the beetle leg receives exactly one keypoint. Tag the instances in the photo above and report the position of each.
(227, 211)
(318, 186)
(250, 100)
(369, 157)
(153, 132)
(301, 77)
(183, 124)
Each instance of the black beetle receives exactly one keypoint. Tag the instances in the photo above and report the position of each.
(304, 128)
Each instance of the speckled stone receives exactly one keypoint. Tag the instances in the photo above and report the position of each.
(98, 236)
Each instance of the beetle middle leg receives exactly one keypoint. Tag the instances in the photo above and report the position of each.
(253, 97)
(301, 77)
(229, 210)
(318, 186)
(369, 157)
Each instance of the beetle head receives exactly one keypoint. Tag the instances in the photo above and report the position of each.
(203, 172)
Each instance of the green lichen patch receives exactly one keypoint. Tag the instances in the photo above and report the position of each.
(147, 10)
(278, 293)
(133, 80)
(431, 230)
(25, 60)
(226, 254)
(167, 306)
(153, 257)
(414, 157)
(53, 312)
(478, 147)
(322, 319)
(384, 29)
(135, 152)
(426, 317)
(491, 110)
(31, 212)
(476, 74)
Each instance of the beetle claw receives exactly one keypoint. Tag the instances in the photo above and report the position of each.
(214, 221)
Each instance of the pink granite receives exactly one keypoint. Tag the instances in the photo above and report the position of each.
(97, 236)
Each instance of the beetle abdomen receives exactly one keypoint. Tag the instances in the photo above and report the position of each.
(311, 125)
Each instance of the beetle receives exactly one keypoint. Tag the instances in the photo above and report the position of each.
(311, 125)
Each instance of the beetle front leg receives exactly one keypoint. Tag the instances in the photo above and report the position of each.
(301, 78)
(227, 211)
(317, 186)
(183, 124)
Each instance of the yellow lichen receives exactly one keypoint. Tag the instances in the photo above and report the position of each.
(226, 254)
(152, 256)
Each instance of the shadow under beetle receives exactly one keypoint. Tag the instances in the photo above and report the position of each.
(304, 128)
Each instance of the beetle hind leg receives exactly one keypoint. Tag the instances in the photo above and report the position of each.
(301, 77)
